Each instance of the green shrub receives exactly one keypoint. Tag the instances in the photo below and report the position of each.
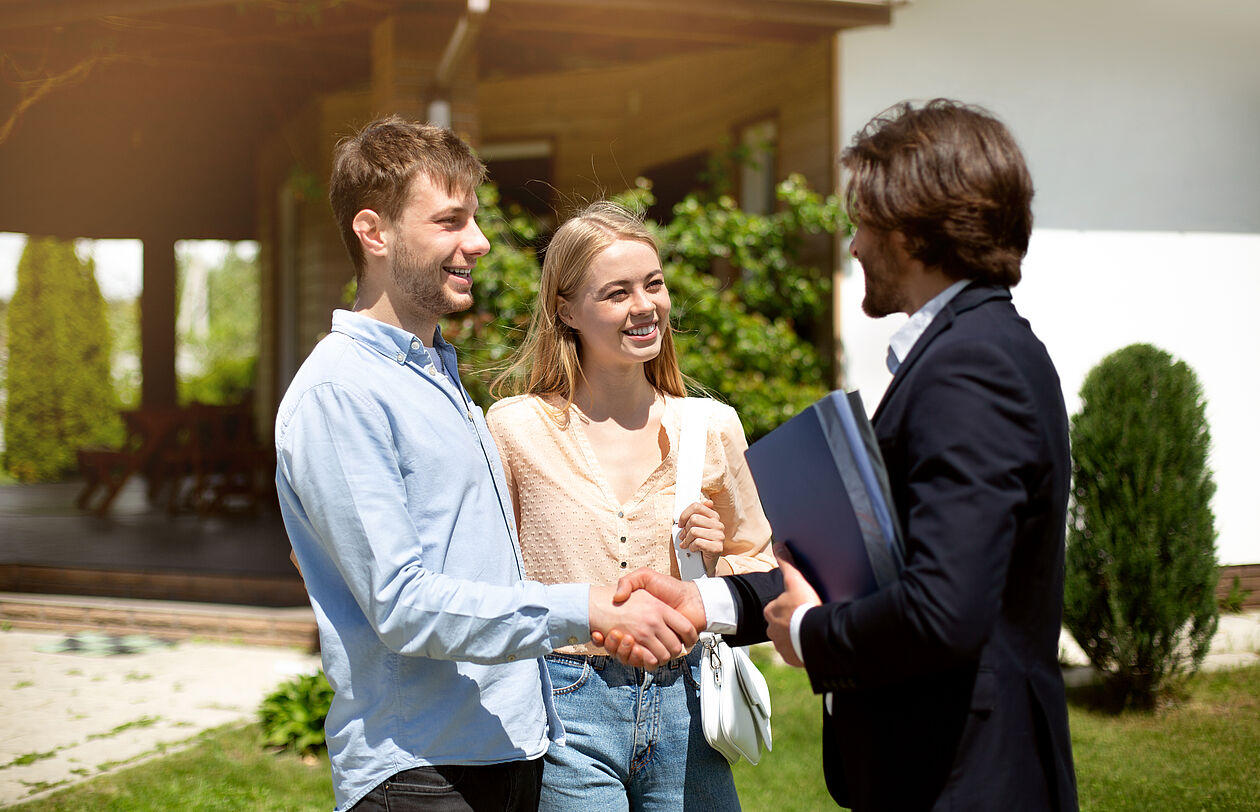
(1236, 599)
(1141, 566)
(60, 395)
(292, 716)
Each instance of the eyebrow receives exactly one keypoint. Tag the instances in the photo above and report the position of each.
(623, 282)
(452, 210)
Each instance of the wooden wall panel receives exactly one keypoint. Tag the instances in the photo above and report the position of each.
(609, 125)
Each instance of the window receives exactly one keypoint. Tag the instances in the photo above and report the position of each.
(758, 168)
(522, 171)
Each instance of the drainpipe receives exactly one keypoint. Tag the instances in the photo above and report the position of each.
(462, 38)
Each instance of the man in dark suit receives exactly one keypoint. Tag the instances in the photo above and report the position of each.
(943, 689)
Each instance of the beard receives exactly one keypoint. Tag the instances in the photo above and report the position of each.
(884, 295)
(423, 285)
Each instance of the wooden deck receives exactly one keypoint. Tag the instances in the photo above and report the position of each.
(139, 550)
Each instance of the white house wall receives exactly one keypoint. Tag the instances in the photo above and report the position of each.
(1141, 123)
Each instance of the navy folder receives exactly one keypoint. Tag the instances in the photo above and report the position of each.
(825, 490)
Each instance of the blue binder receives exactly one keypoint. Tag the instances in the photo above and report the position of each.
(825, 490)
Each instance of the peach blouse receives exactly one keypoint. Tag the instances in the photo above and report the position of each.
(572, 528)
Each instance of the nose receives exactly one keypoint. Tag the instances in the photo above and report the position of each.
(641, 302)
(853, 249)
(475, 243)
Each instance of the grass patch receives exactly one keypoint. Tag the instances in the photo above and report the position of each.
(1200, 754)
(225, 768)
(143, 721)
(28, 758)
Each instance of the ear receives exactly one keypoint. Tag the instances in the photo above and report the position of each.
(564, 311)
(371, 230)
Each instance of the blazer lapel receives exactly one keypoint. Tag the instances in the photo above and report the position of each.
(968, 298)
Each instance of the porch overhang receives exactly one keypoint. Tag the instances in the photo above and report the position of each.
(129, 117)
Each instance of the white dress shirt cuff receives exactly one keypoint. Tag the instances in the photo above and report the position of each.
(797, 618)
(719, 605)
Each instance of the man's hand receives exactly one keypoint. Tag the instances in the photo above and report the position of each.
(796, 592)
(657, 632)
(682, 596)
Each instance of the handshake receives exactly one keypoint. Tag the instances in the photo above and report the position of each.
(648, 619)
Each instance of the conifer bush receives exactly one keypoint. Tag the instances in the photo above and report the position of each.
(1140, 591)
(60, 394)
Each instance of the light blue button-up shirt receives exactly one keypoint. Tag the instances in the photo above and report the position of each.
(394, 500)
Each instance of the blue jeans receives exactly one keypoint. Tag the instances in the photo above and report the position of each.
(633, 740)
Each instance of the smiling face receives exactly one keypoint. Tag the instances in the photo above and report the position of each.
(435, 246)
(621, 309)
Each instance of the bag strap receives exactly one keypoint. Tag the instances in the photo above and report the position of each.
(691, 446)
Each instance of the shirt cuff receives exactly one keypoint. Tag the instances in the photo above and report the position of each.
(569, 614)
(719, 605)
(798, 617)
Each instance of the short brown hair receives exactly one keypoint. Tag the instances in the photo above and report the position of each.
(950, 177)
(373, 169)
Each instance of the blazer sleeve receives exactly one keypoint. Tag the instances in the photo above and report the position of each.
(752, 592)
(969, 442)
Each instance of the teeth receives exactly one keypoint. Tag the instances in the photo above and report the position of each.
(641, 331)
(464, 272)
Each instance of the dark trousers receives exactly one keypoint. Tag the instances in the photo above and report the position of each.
(510, 787)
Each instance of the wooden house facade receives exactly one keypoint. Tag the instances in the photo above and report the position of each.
(165, 120)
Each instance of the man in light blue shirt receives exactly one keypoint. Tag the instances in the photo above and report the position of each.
(394, 500)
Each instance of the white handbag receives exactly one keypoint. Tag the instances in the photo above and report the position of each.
(734, 697)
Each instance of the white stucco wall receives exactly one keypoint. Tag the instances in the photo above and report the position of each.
(1141, 123)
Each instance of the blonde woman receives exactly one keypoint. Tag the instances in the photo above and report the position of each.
(589, 451)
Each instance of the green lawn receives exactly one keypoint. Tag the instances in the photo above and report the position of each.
(1201, 755)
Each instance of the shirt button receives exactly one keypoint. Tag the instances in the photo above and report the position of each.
(623, 538)
(415, 344)
(511, 658)
(620, 514)
(623, 565)
(400, 358)
(573, 641)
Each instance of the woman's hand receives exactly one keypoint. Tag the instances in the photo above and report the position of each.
(703, 532)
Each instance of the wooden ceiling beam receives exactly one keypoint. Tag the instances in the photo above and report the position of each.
(829, 15)
(682, 28)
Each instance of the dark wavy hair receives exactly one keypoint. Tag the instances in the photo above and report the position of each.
(373, 169)
(950, 177)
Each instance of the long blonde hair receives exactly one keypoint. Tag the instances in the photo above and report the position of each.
(548, 361)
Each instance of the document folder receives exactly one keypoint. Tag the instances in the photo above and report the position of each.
(825, 490)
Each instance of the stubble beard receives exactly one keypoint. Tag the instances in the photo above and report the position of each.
(424, 287)
(882, 297)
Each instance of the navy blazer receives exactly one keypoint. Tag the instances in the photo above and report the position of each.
(946, 689)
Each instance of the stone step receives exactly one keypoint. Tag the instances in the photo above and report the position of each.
(168, 620)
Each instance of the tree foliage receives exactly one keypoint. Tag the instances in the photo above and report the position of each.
(228, 352)
(1140, 593)
(60, 395)
(747, 344)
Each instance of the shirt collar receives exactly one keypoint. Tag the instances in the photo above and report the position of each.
(902, 341)
(392, 342)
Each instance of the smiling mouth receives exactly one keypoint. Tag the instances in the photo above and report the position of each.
(640, 332)
(462, 273)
